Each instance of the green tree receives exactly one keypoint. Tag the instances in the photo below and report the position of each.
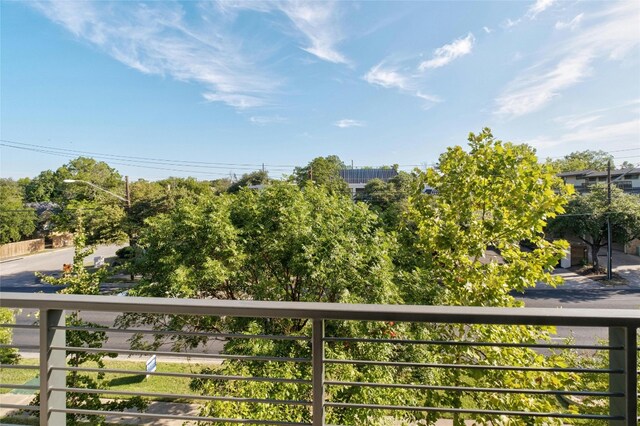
(7, 355)
(582, 160)
(587, 215)
(46, 187)
(324, 171)
(282, 244)
(259, 177)
(16, 220)
(494, 195)
(104, 214)
(78, 280)
(389, 199)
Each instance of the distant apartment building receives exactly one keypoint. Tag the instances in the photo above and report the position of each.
(357, 179)
(626, 179)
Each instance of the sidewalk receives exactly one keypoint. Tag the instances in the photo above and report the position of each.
(573, 281)
(179, 409)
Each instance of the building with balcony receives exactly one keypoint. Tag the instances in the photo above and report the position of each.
(626, 179)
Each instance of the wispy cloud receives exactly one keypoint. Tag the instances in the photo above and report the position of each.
(158, 39)
(487, 30)
(388, 77)
(318, 22)
(532, 12)
(447, 53)
(263, 120)
(572, 121)
(572, 24)
(612, 34)
(537, 88)
(391, 77)
(347, 122)
(538, 7)
(623, 133)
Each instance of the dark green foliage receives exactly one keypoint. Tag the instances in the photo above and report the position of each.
(17, 221)
(7, 355)
(323, 171)
(582, 160)
(258, 177)
(89, 401)
(587, 215)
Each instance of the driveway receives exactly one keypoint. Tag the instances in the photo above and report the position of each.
(627, 266)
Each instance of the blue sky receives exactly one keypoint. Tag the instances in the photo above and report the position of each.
(244, 83)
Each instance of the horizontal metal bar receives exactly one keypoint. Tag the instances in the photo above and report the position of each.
(15, 386)
(470, 389)
(470, 367)
(181, 354)
(20, 407)
(23, 326)
(175, 417)
(329, 311)
(20, 367)
(466, 343)
(472, 411)
(184, 375)
(184, 396)
(186, 333)
(8, 346)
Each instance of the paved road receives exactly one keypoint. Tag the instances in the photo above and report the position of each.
(578, 292)
(586, 298)
(18, 274)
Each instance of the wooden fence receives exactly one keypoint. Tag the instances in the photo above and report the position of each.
(21, 247)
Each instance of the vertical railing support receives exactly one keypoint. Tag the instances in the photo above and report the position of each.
(626, 383)
(50, 358)
(317, 365)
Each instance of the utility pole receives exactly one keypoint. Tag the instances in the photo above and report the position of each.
(127, 192)
(609, 220)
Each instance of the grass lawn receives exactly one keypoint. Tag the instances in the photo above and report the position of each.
(123, 382)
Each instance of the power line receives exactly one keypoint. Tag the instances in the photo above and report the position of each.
(190, 163)
(137, 165)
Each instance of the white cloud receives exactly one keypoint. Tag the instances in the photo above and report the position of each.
(387, 77)
(347, 122)
(158, 39)
(538, 7)
(612, 34)
(263, 120)
(573, 121)
(428, 98)
(622, 134)
(487, 30)
(534, 10)
(509, 23)
(537, 88)
(390, 77)
(318, 22)
(447, 53)
(572, 25)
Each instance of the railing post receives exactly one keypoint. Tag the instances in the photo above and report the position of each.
(317, 361)
(52, 358)
(626, 383)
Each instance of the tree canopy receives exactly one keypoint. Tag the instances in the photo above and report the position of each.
(582, 160)
(323, 171)
(587, 215)
(16, 220)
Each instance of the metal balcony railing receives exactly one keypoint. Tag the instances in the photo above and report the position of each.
(621, 393)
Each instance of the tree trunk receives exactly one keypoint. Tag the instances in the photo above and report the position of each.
(595, 248)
